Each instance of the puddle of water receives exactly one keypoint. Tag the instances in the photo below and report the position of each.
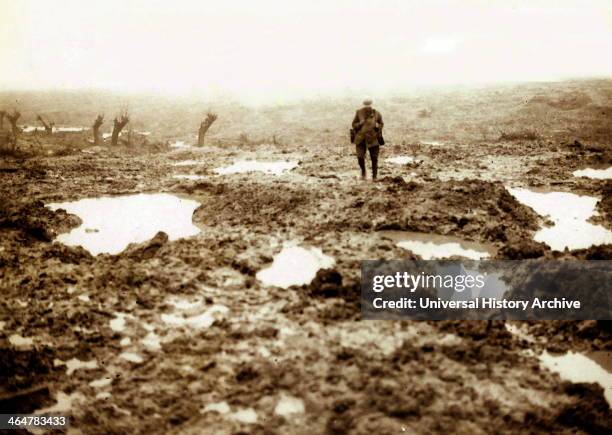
(76, 364)
(152, 342)
(69, 129)
(41, 129)
(401, 160)
(121, 220)
(19, 341)
(435, 246)
(178, 144)
(100, 383)
(594, 367)
(247, 415)
(204, 320)
(288, 405)
(274, 168)
(184, 304)
(220, 407)
(118, 323)
(188, 177)
(187, 163)
(600, 174)
(31, 128)
(131, 357)
(569, 213)
(431, 142)
(294, 265)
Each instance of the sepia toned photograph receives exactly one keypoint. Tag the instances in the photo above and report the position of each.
(305, 217)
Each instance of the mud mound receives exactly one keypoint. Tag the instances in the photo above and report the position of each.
(522, 249)
(21, 369)
(480, 210)
(253, 205)
(600, 252)
(570, 101)
(327, 283)
(34, 220)
(564, 335)
(475, 208)
(590, 413)
(25, 402)
(147, 249)
(520, 135)
(604, 207)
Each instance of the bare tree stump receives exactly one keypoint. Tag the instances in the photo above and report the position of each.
(204, 126)
(97, 137)
(48, 126)
(118, 125)
(13, 117)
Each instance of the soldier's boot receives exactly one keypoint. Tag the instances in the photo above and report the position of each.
(361, 161)
(374, 167)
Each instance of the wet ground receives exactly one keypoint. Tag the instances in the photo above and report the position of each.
(191, 330)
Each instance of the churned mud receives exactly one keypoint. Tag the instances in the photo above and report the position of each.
(191, 332)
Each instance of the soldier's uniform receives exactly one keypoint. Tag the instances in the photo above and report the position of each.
(367, 125)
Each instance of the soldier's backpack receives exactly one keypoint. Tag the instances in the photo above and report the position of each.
(369, 123)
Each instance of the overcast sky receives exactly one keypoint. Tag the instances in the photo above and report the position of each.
(269, 48)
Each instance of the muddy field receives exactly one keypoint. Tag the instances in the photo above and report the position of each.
(181, 336)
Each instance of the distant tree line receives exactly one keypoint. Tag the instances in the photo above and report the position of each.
(119, 124)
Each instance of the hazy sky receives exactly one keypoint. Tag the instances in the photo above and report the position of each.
(275, 48)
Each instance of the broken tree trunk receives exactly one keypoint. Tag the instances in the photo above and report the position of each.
(13, 117)
(2, 115)
(48, 126)
(118, 125)
(204, 126)
(97, 137)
